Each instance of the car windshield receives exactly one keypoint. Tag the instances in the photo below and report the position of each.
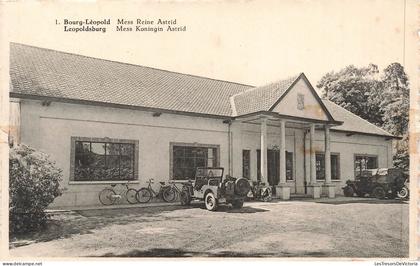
(209, 173)
(380, 171)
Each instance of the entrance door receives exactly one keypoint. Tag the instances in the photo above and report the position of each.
(273, 164)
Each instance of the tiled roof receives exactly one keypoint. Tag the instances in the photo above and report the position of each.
(352, 122)
(44, 72)
(261, 98)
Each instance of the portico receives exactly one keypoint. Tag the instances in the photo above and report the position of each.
(278, 125)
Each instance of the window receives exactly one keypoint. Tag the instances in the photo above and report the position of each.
(103, 160)
(363, 162)
(335, 167)
(246, 164)
(289, 165)
(320, 166)
(185, 159)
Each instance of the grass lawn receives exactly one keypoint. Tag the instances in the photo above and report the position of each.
(328, 228)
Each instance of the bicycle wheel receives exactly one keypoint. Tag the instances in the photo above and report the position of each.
(267, 194)
(168, 194)
(106, 196)
(143, 195)
(131, 196)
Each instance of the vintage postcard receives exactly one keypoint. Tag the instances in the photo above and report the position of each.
(225, 129)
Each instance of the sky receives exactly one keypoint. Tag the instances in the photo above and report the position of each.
(250, 42)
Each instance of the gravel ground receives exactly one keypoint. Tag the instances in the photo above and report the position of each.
(335, 228)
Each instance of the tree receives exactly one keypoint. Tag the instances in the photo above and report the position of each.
(396, 100)
(354, 89)
(396, 107)
(382, 100)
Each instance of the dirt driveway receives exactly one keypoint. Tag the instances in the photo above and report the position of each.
(338, 228)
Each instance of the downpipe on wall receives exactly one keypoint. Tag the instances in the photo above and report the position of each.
(305, 183)
(230, 146)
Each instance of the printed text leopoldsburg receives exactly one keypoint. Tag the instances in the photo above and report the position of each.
(121, 25)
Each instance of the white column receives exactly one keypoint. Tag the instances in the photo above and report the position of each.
(282, 152)
(327, 156)
(312, 153)
(307, 159)
(263, 150)
(230, 141)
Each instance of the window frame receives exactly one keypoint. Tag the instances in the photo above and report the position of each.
(364, 155)
(73, 140)
(185, 144)
(292, 171)
(338, 163)
(249, 164)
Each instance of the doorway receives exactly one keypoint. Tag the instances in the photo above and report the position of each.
(273, 165)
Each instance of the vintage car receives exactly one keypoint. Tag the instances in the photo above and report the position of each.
(210, 186)
(379, 183)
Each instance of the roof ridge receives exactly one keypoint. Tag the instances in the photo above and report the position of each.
(233, 106)
(242, 92)
(132, 64)
(267, 84)
(383, 130)
(293, 80)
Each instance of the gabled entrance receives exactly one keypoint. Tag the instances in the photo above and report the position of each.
(296, 104)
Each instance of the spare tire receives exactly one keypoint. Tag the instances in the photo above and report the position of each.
(242, 186)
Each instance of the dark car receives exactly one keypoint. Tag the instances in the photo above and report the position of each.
(210, 186)
(379, 183)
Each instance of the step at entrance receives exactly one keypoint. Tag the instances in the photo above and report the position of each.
(300, 196)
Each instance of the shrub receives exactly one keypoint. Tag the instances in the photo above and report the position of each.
(401, 154)
(33, 185)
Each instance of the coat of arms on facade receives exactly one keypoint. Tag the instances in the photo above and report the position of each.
(300, 101)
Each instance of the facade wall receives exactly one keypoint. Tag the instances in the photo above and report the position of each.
(50, 128)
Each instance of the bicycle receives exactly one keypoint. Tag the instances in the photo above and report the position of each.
(110, 196)
(261, 192)
(176, 190)
(165, 192)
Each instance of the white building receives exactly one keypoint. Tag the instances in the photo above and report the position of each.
(104, 122)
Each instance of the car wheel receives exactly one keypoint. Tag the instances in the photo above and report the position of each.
(237, 204)
(185, 198)
(210, 202)
(348, 191)
(360, 194)
(379, 192)
(242, 187)
(403, 193)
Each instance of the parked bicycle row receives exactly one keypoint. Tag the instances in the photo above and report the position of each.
(117, 193)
